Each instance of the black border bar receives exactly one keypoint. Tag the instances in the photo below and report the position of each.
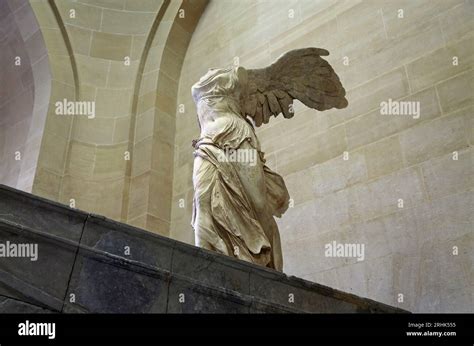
(229, 329)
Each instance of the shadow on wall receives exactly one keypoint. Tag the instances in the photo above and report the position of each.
(25, 85)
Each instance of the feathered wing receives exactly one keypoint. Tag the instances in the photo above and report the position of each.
(298, 74)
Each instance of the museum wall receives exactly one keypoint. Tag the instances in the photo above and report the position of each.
(398, 184)
(24, 93)
(82, 162)
(123, 59)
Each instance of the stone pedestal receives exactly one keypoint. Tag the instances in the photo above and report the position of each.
(87, 263)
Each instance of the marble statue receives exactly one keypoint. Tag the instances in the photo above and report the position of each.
(236, 196)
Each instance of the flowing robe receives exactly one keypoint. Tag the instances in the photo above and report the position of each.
(234, 202)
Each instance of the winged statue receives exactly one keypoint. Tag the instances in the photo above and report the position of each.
(236, 195)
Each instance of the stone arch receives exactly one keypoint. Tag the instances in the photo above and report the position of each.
(26, 80)
(156, 110)
(82, 159)
(50, 168)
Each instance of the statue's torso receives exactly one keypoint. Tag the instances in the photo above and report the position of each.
(217, 100)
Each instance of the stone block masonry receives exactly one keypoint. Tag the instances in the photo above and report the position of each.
(89, 264)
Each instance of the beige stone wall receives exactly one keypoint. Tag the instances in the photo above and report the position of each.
(408, 248)
(124, 57)
(94, 58)
(25, 83)
(150, 192)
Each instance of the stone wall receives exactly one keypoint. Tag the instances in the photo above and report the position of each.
(405, 187)
(25, 80)
(94, 58)
(123, 57)
(82, 263)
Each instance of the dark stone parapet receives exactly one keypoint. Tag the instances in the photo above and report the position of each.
(88, 263)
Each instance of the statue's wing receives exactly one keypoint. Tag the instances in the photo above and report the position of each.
(299, 74)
